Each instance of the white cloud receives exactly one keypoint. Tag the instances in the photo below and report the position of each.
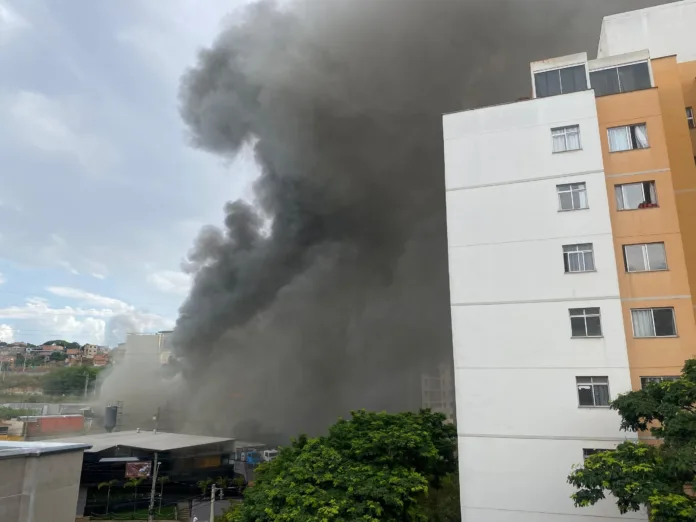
(56, 126)
(11, 22)
(170, 282)
(108, 321)
(6, 333)
(2, 278)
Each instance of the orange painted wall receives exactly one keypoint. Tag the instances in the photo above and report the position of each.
(676, 93)
(663, 356)
(687, 74)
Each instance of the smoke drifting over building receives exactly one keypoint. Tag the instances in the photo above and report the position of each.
(344, 302)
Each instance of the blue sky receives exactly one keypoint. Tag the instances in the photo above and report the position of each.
(100, 195)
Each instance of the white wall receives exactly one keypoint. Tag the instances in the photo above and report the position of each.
(520, 426)
(665, 30)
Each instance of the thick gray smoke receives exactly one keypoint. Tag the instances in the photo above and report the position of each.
(344, 302)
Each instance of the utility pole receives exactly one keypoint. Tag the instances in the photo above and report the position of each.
(86, 383)
(213, 490)
(151, 509)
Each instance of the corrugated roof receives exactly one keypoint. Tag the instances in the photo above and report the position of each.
(160, 441)
(36, 449)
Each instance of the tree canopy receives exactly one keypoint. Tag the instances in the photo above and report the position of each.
(62, 342)
(69, 381)
(657, 476)
(373, 466)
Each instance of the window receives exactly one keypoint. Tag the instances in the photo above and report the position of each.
(644, 381)
(626, 78)
(690, 117)
(631, 196)
(645, 258)
(586, 452)
(566, 138)
(628, 137)
(572, 196)
(593, 391)
(653, 322)
(578, 258)
(560, 81)
(585, 322)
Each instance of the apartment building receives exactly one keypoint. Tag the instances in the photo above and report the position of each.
(437, 391)
(575, 284)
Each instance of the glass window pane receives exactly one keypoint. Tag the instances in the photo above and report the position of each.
(589, 261)
(583, 379)
(573, 262)
(634, 258)
(656, 256)
(594, 327)
(605, 82)
(559, 143)
(633, 195)
(642, 323)
(547, 83)
(664, 321)
(634, 77)
(592, 311)
(619, 139)
(585, 395)
(566, 201)
(640, 136)
(601, 395)
(577, 327)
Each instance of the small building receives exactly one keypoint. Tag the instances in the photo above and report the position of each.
(39, 481)
(184, 459)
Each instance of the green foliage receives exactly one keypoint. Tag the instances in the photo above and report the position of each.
(62, 342)
(69, 381)
(58, 356)
(374, 466)
(643, 475)
(10, 413)
(204, 485)
(442, 505)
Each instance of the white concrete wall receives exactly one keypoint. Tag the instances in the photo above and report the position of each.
(520, 426)
(665, 30)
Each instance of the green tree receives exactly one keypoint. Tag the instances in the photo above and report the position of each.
(69, 381)
(372, 467)
(58, 356)
(134, 482)
(162, 481)
(107, 485)
(655, 476)
(204, 485)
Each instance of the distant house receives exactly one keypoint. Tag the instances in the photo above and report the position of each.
(100, 360)
(52, 348)
(72, 352)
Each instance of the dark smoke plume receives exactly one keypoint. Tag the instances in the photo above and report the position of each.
(344, 302)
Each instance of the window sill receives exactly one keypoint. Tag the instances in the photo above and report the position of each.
(627, 150)
(587, 337)
(566, 151)
(594, 407)
(583, 272)
(658, 337)
(628, 272)
(572, 209)
(634, 209)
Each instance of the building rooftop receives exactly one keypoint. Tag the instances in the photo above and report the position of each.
(9, 450)
(147, 440)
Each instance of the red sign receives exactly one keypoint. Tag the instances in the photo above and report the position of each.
(138, 469)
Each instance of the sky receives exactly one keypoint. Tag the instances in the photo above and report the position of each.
(101, 196)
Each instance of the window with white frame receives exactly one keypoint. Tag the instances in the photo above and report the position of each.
(572, 196)
(585, 322)
(628, 137)
(646, 257)
(566, 138)
(631, 196)
(624, 78)
(593, 392)
(578, 258)
(645, 381)
(690, 117)
(653, 322)
(560, 81)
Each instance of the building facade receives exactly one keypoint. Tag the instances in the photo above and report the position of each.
(576, 283)
(437, 391)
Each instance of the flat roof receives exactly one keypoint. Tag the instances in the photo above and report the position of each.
(147, 440)
(16, 449)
